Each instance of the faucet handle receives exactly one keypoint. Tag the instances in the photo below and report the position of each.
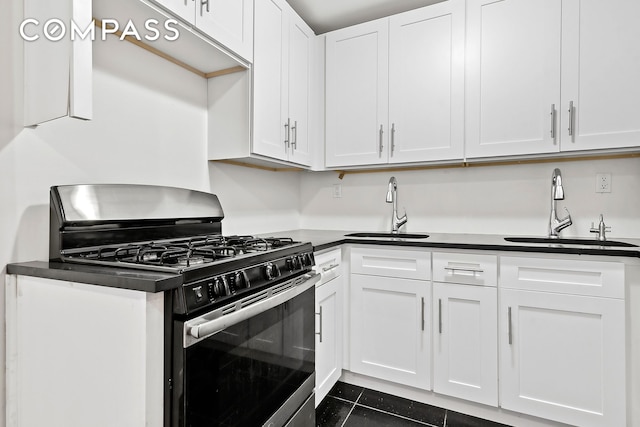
(568, 217)
(601, 230)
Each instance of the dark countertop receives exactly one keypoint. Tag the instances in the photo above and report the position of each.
(148, 281)
(325, 239)
(137, 280)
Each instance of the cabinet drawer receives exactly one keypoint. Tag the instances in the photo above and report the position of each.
(566, 276)
(465, 268)
(391, 263)
(328, 264)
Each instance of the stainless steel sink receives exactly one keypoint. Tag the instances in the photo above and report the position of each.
(560, 241)
(389, 235)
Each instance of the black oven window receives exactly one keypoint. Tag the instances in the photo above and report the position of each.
(242, 375)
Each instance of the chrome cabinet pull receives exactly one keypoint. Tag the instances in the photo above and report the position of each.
(393, 138)
(553, 123)
(468, 270)
(380, 146)
(294, 140)
(204, 3)
(320, 328)
(286, 133)
(422, 309)
(330, 267)
(571, 110)
(440, 315)
(509, 326)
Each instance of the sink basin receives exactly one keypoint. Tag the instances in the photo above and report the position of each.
(390, 235)
(589, 242)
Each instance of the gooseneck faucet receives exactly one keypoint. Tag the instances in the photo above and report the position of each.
(557, 193)
(392, 197)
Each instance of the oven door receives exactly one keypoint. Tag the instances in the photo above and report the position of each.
(252, 366)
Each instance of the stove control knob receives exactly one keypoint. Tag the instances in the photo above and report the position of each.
(293, 263)
(309, 260)
(303, 261)
(219, 287)
(198, 293)
(271, 271)
(241, 280)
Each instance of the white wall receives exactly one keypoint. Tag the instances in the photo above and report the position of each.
(256, 201)
(149, 127)
(511, 200)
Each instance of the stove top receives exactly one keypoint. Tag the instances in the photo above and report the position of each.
(177, 254)
(171, 230)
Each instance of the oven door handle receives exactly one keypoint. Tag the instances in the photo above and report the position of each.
(200, 328)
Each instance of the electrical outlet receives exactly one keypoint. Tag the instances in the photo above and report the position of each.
(337, 191)
(603, 183)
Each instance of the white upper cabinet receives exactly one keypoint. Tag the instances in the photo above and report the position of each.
(229, 22)
(57, 74)
(357, 94)
(426, 84)
(513, 77)
(282, 68)
(600, 69)
(545, 76)
(395, 90)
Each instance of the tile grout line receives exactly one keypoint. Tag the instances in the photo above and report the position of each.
(390, 413)
(352, 408)
(348, 415)
(396, 415)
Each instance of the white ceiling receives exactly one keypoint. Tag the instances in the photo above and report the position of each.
(327, 15)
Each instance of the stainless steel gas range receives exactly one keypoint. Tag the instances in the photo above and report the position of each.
(239, 332)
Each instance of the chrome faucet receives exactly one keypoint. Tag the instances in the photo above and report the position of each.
(392, 197)
(557, 193)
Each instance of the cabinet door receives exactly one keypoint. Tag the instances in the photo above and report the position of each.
(328, 336)
(229, 22)
(183, 9)
(513, 77)
(390, 336)
(600, 67)
(270, 77)
(562, 357)
(57, 74)
(465, 342)
(426, 83)
(357, 97)
(300, 45)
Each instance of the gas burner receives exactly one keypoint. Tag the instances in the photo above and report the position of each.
(188, 261)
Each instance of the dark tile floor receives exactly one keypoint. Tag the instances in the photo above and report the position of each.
(347, 405)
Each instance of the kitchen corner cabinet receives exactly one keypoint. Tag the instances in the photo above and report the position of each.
(545, 76)
(281, 83)
(57, 74)
(229, 22)
(465, 324)
(395, 88)
(329, 303)
(95, 352)
(562, 340)
(390, 300)
(262, 116)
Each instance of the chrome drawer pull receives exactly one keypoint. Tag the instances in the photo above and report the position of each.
(330, 267)
(468, 270)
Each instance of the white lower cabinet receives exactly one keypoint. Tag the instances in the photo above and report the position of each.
(390, 331)
(562, 354)
(80, 354)
(465, 322)
(329, 299)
